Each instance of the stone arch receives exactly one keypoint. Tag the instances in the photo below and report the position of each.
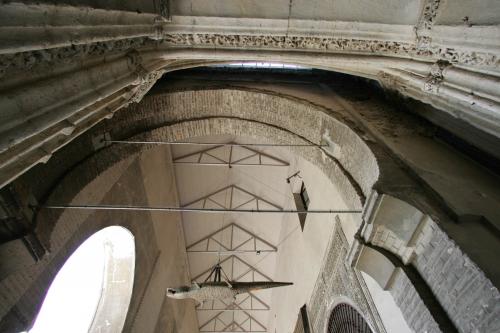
(128, 69)
(104, 163)
(354, 161)
(412, 236)
(102, 167)
(410, 295)
(335, 303)
(350, 162)
(398, 227)
(345, 318)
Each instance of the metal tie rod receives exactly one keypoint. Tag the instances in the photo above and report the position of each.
(197, 210)
(215, 143)
(233, 310)
(231, 252)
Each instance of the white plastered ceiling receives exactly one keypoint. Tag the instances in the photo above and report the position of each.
(232, 238)
(299, 254)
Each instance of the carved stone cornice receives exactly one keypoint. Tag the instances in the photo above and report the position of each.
(325, 44)
(26, 61)
(335, 45)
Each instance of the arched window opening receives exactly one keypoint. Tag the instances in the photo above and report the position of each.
(92, 290)
(346, 319)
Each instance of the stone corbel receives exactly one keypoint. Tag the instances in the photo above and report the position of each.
(146, 77)
(145, 83)
(435, 78)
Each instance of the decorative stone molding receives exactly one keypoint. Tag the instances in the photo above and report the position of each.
(435, 78)
(286, 42)
(327, 44)
(331, 44)
(423, 49)
(135, 64)
(429, 13)
(337, 279)
(423, 42)
(49, 58)
(390, 82)
(147, 83)
(432, 85)
(164, 9)
(425, 24)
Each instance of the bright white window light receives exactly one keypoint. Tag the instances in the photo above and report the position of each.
(262, 65)
(76, 295)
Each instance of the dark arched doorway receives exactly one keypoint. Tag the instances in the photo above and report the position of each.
(346, 319)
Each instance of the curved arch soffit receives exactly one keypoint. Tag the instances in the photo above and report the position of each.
(392, 218)
(187, 129)
(92, 291)
(344, 318)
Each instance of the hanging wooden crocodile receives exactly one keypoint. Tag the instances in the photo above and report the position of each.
(220, 290)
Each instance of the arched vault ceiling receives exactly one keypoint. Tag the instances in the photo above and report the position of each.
(65, 68)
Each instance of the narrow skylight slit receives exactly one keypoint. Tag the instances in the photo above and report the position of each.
(263, 65)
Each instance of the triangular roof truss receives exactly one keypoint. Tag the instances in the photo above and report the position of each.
(233, 322)
(232, 197)
(230, 155)
(231, 239)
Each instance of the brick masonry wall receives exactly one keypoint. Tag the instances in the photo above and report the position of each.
(26, 289)
(414, 311)
(469, 298)
(462, 289)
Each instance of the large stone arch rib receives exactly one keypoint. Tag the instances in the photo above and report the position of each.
(182, 115)
(66, 112)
